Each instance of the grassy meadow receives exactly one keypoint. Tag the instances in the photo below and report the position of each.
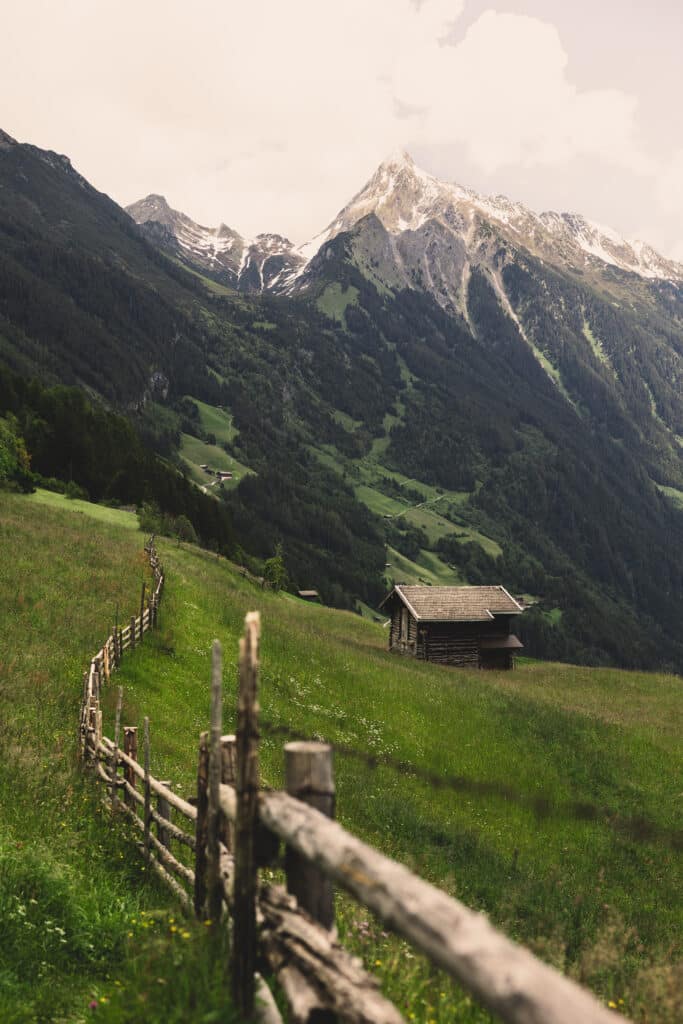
(573, 846)
(83, 930)
(599, 898)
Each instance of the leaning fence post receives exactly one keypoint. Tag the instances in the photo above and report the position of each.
(133, 630)
(164, 811)
(130, 747)
(200, 826)
(115, 752)
(215, 891)
(309, 776)
(148, 792)
(117, 638)
(228, 778)
(244, 906)
(142, 610)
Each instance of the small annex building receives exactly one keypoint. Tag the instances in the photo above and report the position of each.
(466, 626)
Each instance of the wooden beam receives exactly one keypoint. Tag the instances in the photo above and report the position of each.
(201, 826)
(244, 898)
(503, 976)
(309, 776)
(214, 888)
(321, 980)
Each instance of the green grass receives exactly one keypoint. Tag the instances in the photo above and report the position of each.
(195, 453)
(216, 421)
(334, 300)
(588, 895)
(429, 570)
(675, 495)
(368, 474)
(116, 517)
(81, 923)
(596, 345)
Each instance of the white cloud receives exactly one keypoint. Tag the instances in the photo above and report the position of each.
(270, 115)
(504, 92)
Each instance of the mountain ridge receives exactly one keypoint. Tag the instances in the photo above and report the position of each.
(465, 414)
(247, 264)
(405, 198)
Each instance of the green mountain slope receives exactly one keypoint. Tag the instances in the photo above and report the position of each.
(528, 435)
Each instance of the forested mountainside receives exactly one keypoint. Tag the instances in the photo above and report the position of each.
(433, 394)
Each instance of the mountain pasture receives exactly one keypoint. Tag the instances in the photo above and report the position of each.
(528, 753)
(562, 821)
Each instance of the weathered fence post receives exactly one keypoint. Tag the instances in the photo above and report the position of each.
(164, 810)
(148, 792)
(142, 610)
(132, 632)
(117, 638)
(115, 753)
(214, 886)
(309, 776)
(200, 826)
(228, 778)
(130, 747)
(244, 905)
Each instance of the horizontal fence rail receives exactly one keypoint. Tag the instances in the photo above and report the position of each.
(209, 852)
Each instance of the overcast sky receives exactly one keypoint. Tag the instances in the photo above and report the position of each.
(270, 115)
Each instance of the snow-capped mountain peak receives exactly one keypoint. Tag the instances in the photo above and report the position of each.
(255, 264)
(431, 222)
(407, 199)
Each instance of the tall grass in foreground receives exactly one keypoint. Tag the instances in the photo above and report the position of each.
(82, 930)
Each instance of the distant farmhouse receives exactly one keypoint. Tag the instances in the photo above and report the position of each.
(466, 626)
(222, 474)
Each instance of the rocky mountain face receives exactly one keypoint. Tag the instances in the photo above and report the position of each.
(437, 232)
(264, 263)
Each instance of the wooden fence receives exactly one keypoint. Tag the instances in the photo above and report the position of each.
(209, 850)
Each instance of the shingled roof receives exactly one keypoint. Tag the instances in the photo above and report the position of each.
(456, 604)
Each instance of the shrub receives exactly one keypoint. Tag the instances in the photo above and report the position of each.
(15, 465)
(74, 490)
(274, 571)
(184, 530)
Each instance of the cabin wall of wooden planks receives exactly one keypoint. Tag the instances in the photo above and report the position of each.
(449, 646)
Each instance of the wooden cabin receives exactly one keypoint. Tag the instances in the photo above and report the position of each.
(466, 626)
(309, 595)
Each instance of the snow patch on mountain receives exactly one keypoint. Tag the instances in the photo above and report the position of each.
(405, 198)
(250, 264)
